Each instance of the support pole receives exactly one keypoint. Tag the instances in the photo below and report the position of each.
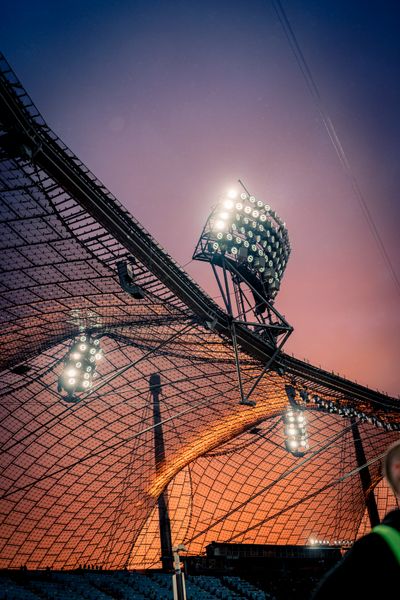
(178, 578)
(159, 452)
(365, 475)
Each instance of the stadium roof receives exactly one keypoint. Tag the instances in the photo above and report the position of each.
(79, 483)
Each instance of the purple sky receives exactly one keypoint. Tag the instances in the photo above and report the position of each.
(169, 103)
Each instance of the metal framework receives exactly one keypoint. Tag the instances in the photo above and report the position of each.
(250, 244)
(79, 481)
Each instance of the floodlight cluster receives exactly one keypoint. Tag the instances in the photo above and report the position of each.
(248, 231)
(296, 438)
(79, 367)
(342, 543)
(349, 411)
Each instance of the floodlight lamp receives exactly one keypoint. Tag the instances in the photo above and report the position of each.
(232, 194)
(77, 376)
(220, 224)
(228, 204)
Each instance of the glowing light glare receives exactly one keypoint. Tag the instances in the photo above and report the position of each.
(75, 355)
(224, 215)
(228, 204)
(232, 194)
(71, 372)
(219, 224)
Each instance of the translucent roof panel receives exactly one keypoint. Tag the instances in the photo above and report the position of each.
(80, 481)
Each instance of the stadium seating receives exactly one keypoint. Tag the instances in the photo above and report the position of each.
(121, 585)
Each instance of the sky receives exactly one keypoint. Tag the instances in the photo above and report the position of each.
(170, 102)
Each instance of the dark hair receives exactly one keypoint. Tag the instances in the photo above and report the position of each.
(393, 452)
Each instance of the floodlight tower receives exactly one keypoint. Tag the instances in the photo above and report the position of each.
(247, 245)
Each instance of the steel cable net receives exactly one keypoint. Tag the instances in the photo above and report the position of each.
(80, 482)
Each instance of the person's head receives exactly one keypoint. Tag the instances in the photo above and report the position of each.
(391, 467)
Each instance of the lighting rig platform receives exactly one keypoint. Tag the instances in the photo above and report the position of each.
(247, 246)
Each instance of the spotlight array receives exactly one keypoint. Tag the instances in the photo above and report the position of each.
(296, 438)
(318, 543)
(332, 407)
(80, 366)
(249, 232)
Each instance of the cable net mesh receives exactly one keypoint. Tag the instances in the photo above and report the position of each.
(80, 482)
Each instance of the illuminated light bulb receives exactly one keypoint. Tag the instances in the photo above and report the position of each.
(88, 369)
(250, 258)
(263, 218)
(234, 250)
(293, 444)
(86, 384)
(224, 215)
(75, 355)
(239, 206)
(83, 338)
(78, 365)
(228, 204)
(247, 209)
(243, 196)
(220, 236)
(255, 214)
(71, 381)
(232, 194)
(229, 237)
(260, 204)
(252, 199)
(82, 347)
(267, 207)
(71, 372)
(215, 246)
(96, 342)
(220, 224)
(86, 376)
(92, 351)
(92, 359)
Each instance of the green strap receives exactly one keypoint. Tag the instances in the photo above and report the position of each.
(392, 538)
